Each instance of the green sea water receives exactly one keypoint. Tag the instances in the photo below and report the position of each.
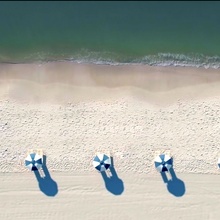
(155, 33)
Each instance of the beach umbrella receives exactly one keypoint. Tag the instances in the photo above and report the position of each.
(101, 162)
(34, 161)
(163, 162)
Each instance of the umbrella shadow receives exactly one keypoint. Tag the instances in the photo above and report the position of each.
(112, 183)
(46, 184)
(175, 185)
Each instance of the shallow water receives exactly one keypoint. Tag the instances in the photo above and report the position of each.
(155, 33)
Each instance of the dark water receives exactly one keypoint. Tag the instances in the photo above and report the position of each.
(156, 33)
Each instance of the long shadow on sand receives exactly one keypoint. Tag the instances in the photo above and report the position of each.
(112, 183)
(46, 184)
(175, 186)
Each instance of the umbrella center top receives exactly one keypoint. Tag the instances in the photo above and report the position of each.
(101, 163)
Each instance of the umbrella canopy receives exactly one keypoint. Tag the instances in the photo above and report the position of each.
(101, 162)
(34, 161)
(219, 162)
(163, 162)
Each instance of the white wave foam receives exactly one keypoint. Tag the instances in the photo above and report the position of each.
(107, 58)
(160, 59)
(192, 60)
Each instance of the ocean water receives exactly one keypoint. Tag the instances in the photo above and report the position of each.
(154, 33)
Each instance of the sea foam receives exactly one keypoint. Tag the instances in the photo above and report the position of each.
(108, 58)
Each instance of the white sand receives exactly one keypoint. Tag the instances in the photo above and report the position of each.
(84, 196)
(73, 110)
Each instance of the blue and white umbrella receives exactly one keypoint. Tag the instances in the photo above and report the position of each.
(101, 162)
(163, 162)
(34, 161)
(219, 162)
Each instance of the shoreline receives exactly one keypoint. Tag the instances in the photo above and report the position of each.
(157, 60)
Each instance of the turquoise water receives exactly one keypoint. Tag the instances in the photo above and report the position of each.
(155, 33)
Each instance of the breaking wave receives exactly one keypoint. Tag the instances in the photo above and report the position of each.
(108, 58)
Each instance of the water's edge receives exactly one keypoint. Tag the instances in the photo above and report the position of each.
(101, 58)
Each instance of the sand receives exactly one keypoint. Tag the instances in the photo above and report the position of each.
(84, 196)
(74, 110)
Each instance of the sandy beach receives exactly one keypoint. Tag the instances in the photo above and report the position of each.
(72, 111)
(84, 196)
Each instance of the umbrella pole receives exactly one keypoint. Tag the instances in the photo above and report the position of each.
(108, 173)
(41, 172)
(164, 177)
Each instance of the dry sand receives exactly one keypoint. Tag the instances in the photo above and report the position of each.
(73, 111)
(84, 196)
